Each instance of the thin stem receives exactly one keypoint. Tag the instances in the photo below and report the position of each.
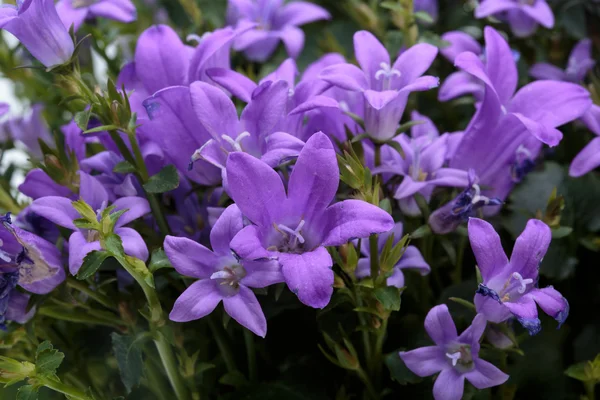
(368, 384)
(65, 389)
(219, 335)
(251, 355)
(123, 149)
(155, 381)
(590, 390)
(374, 254)
(377, 154)
(156, 209)
(457, 274)
(377, 355)
(139, 158)
(365, 334)
(99, 297)
(168, 360)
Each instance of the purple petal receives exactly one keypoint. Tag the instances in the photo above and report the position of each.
(287, 71)
(500, 65)
(312, 71)
(260, 274)
(255, 187)
(293, 40)
(315, 177)
(245, 309)
(473, 333)
(491, 309)
(425, 129)
(247, 244)
(345, 76)
(547, 71)
(458, 84)
(227, 226)
(309, 276)
(472, 64)
(118, 10)
(541, 132)
(396, 279)
(215, 111)
(70, 15)
(197, 301)
(440, 326)
(7, 13)
(266, 110)
(485, 375)
(56, 209)
(552, 303)
(413, 259)
(280, 147)
(413, 63)
(521, 24)
(190, 258)
(421, 84)
(587, 160)
(450, 177)
(79, 247)
(551, 102)
(425, 361)
(350, 219)
(314, 103)
(488, 7)
(525, 311)
(409, 187)
(370, 54)
(92, 191)
(540, 12)
(530, 247)
(17, 305)
(300, 13)
(38, 184)
(580, 60)
(237, 84)
(591, 118)
(136, 206)
(379, 100)
(449, 385)
(487, 248)
(133, 244)
(459, 42)
(161, 59)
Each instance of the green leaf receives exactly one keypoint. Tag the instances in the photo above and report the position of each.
(124, 167)
(398, 370)
(91, 263)
(392, 5)
(463, 302)
(234, 378)
(424, 17)
(85, 224)
(85, 211)
(114, 245)
(102, 129)
(47, 360)
(159, 260)
(27, 392)
(82, 118)
(420, 232)
(389, 297)
(129, 359)
(561, 232)
(166, 180)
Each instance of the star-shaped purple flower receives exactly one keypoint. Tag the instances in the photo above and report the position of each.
(275, 22)
(222, 276)
(509, 288)
(523, 16)
(455, 357)
(295, 227)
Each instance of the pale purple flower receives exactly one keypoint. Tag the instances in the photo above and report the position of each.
(81, 242)
(13, 304)
(588, 158)
(422, 166)
(523, 16)
(75, 12)
(29, 128)
(275, 22)
(222, 276)
(385, 87)
(455, 357)
(460, 83)
(429, 6)
(411, 259)
(295, 227)
(511, 126)
(510, 288)
(38, 27)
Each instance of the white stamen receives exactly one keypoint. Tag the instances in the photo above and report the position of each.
(523, 282)
(344, 106)
(223, 274)
(387, 71)
(478, 197)
(454, 357)
(236, 143)
(291, 92)
(524, 151)
(295, 232)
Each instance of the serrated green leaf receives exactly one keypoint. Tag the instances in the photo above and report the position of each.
(129, 359)
(166, 180)
(113, 244)
(159, 260)
(27, 392)
(389, 297)
(85, 210)
(45, 345)
(124, 167)
(47, 360)
(91, 263)
(83, 223)
(82, 118)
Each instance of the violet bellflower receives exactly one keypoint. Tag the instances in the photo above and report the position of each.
(61, 211)
(295, 227)
(37, 262)
(222, 276)
(275, 22)
(75, 12)
(38, 27)
(455, 357)
(523, 16)
(460, 83)
(511, 126)
(422, 166)
(430, 7)
(411, 259)
(385, 87)
(510, 288)
(29, 128)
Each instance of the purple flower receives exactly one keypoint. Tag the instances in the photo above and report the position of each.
(222, 276)
(509, 288)
(428, 6)
(523, 16)
(295, 227)
(411, 259)
(75, 12)
(13, 304)
(580, 63)
(589, 157)
(29, 129)
(116, 184)
(460, 83)
(454, 357)
(385, 87)
(448, 217)
(511, 126)
(422, 167)
(275, 22)
(60, 211)
(37, 262)
(38, 27)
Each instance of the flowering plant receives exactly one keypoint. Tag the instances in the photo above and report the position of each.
(273, 199)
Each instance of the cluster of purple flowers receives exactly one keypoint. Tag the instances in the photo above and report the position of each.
(277, 161)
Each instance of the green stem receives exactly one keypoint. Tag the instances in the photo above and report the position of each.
(374, 254)
(219, 335)
(156, 381)
(378, 354)
(123, 149)
(590, 390)
(168, 359)
(156, 209)
(139, 158)
(80, 318)
(251, 355)
(64, 389)
(365, 334)
(457, 274)
(99, 297)
(368, 384)
(377, 154)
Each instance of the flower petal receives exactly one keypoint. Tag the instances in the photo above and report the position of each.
(281, 147)
(92, 191)
(449, 385)
(552, 303)
(38, 184)
(247, 244)
(459, 42)
(197, 301)
(485, 375)
(370, 54)
(260, 274)
(237, 84)
(309, 276)
(56, 209)
(345, 76)
(459, 84)
(293, 40)
(300, 13)
(215, 111)
(500, 65)
(487, 248)
(135, 206)
(530, 248)
(424, 361)
(227, 226)
(547, 71)
(351, 219)
(413, 63)
(78, 249)
(440, 326)
(133, 243)
(587, 159)
(190, 258)
(245, 309)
